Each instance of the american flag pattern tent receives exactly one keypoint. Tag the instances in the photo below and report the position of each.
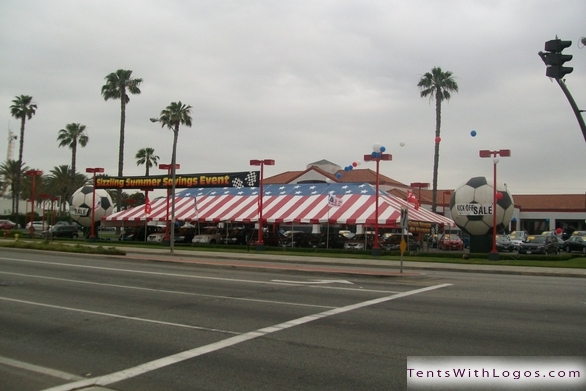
(291, 203)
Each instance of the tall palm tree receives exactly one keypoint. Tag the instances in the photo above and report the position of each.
(72, 136)
(437, 85)
(172, 116)
(147, 157)
(22, 108)
(10, 171)
(118, 85)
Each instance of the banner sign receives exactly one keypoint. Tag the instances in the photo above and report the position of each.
(233, 179)
(473, 209)
(419, 227)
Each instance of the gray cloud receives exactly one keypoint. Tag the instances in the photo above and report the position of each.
(303, 81)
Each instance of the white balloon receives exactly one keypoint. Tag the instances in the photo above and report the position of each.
(376, 147)
(402, 144)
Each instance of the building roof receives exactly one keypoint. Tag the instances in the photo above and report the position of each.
(365, 175)
(557, 202)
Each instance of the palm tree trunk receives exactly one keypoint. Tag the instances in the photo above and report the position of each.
(438, 120)
(19, 173)
(173, 159)
(121, 149)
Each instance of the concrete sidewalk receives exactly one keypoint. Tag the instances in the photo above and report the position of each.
(374, 267)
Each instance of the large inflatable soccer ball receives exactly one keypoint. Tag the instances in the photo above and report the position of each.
(80, 205)
(470, 202)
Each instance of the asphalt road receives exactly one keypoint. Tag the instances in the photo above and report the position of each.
(69, 322)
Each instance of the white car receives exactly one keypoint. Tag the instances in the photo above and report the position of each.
(210, 235)
(518, 237)
(37, 226)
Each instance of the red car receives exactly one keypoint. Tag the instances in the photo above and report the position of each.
(450, 242)
(7, 224)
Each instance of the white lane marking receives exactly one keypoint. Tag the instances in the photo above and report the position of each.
(38, 369)
(188, 354)
(190, 276)
(167, 291)
(119, 316)
(316, 282)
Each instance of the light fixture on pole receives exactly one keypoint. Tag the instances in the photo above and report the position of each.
(269, 162)
(494, 255)
(377, 155)
(168, 168)
(94, 170)
(33, 174)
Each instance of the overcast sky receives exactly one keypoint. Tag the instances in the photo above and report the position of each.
(300, 81)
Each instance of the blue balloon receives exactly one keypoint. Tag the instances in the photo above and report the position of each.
(373, 154)
(382, 149)
(338, 175)
(473, 133)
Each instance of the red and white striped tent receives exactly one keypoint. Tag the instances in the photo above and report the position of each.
(320, 203)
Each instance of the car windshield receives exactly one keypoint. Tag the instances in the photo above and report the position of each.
(516, 235)
(535, 239)
(451, 237)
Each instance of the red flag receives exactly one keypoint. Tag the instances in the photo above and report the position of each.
(147, 204)
(412, 199)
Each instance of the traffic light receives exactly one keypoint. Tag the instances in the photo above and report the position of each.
(554, 59)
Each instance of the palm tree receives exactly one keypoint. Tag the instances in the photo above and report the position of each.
(59, 183)
(147, 157)
(22, 108)
(438, 85)
(172, 116)
(71, 136)
(10, 171)
(118, 85)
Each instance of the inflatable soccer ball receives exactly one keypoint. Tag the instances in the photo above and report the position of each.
(81, 205)
(472, 202)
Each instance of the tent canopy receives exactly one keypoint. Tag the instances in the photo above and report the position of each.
(293, 203)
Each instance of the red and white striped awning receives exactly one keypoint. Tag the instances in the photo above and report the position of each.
(296, 203)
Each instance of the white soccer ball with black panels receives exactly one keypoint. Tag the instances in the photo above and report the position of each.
(80, 205)
(479, 191)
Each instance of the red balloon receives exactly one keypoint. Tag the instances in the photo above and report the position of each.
(499, 195)
(438, 139)
(354, 164)
(558, 231)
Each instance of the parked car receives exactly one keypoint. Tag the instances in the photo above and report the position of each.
(158, 235)
(273, 239)
(210, 235)
(7, 224)
(138, 233)
(450, 242)
(391, 242)
(540, 244)
(359, 242)
(62, 231)
(579, 233)
(576, 243)
(185, 234)
(39, 226)
(517, 237)
(237, 236)
(503, 243)
(299, 239)
(332, 241)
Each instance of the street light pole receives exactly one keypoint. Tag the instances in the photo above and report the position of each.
(33, 174)
(269, 162)
(494, 255)
(377, 156)
(94, 170)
